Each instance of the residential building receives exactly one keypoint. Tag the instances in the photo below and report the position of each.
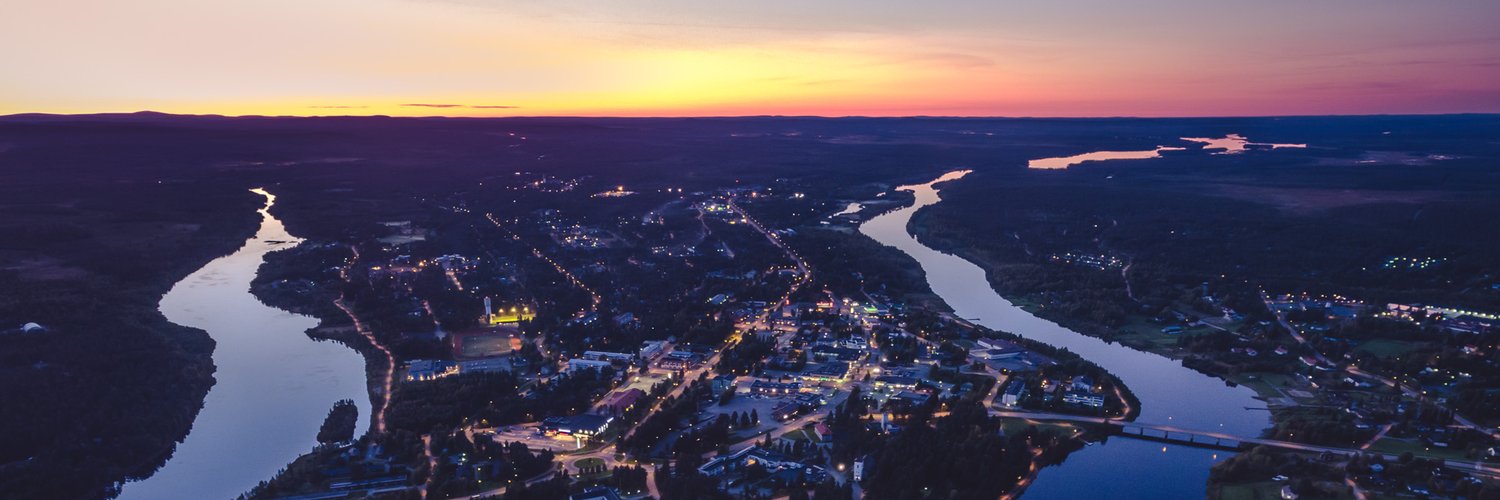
(619, 402)
(1013, 393)
(1085, 398)
(723, 383)
(1083, 383)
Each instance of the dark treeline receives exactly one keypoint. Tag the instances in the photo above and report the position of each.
(339, 425)
(492, 399)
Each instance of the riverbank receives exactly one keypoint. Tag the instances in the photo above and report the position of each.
(1169, 393)
(1163, 345)
(271, 379)
(297, 279)
(108, 390)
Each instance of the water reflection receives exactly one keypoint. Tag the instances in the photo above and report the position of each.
(1169, 393)
(273, 387)
(1229, 144)
(1235, 143)
(850, 209)
(1068, 161)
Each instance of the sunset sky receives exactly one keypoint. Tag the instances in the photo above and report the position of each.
(790, 57)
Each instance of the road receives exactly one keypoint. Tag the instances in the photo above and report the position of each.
(594, 298)
(377, 417)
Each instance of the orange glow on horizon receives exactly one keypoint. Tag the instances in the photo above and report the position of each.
(481, 58)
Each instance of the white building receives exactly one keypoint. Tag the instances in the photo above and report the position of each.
(581, 363)
(652, 349)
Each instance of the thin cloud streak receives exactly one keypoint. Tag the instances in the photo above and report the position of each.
(467, 106)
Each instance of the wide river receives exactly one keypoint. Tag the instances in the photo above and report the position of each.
(273, 387)
(1169, 393)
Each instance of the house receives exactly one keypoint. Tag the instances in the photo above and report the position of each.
(1085, 398)
(1013, 393)
(1083, 383)
(822, 431)
(619, 402)
(724, 382)
(1049, 389)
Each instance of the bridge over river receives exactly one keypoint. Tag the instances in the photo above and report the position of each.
(1216, 440)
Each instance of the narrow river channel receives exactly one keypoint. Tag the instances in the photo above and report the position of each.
(274, 385)
(1170, 394)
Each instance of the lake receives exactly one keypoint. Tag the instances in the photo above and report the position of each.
(1229, 144)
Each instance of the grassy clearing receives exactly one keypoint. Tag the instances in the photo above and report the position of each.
(1397, 446)
(1014, 425)
(1265, 385)
(1386, 348)
(1261, 490)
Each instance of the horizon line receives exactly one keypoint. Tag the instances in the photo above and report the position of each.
(670, 117)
